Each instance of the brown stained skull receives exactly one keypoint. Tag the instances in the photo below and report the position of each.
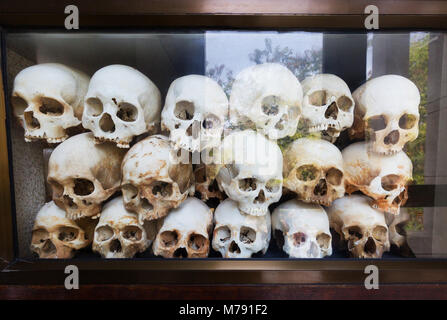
(205, 184)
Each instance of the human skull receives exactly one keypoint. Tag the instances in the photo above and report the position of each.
(238, 235)
(362, 228)
(313, 169)
(119, 234)
(185, 231)
(206, 184)
(251, 172)
(47, 99)
(383, 178)
(195, 111)
(269, 96)
(302, 229)
(121, 103)
(328, 106)
(83, 175)
(154, 180)
(398, 234)
(56, 237)
(387, 112)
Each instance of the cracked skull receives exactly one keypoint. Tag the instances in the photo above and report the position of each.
(302, 229)
(386, 113)
(238, 235)
(313, 169)
(83, 174)
(48, 99)
(383, 178)
(121, 103)
(185, 231)
(119, 233)
(56, 237)
(154, 179)
(328, 106)
(269, 96)
(195, 111)
(360, 229)
(251, 172)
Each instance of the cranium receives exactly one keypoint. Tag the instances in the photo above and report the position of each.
(48, 99)
(195, 111)
(252, 171)
(121, 103)
(184, 232)
(238, 235)
(328, 106)
(398, 234)
(313, 169)
(269, 96)
(119, 234)
(154, 180)
(83, 174)
(387, 112)
(206, 184)
(302, 229)
(362, 228)
(56, 237)
(383, 178)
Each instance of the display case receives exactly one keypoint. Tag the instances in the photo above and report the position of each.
(304, 91)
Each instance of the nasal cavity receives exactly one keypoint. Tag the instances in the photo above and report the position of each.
(331, 111)
(321, 188)
(106, 123)
(370, 246)
(31, 122)
(234, 248)
(260, 198)
(392, 137)
(181, 253)
(193, 130)
(115, 246)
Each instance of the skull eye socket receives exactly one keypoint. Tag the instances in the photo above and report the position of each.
(210, 122)
(169, 238)
(223, 234)
(39, 236)
(270, 105)
(334, 176)
(130, 192)
(67, 234)
(19, 104)
(51, 107)
(161, 189)
(247, 235)
(344, 103)
(324, 240)
(390, 182)
(94, 107)
(248, 184)
(273, 185)
(184, 110)
(127, 112)
(407, 121)
(380, 233)
(307, 172)
(104, 233)
(196, 241)
(298, 238)
(318, 98)
(83, 187)
(355, 233)
(132, 233)
(377, 123)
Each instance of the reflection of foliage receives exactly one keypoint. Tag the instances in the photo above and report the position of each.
(416, 222)
(217, 73)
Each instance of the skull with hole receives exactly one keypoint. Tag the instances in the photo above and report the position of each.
(250, 171)
(383, 178)
(239, 235)
(398, 234)
(83, 174)
(195, 111)
(48, 99)
(185, 231)
(56, 237)
(119, 234)
(313, 169)
(302, 229)
(269, 96)
(154, 179)
(386, 113)
(359, 228)
(120, 104)
(328, 106)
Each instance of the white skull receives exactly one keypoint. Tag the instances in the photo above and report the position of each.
(238, 235)
(252, 171)
(269, 96)
(56, 237)
(387, 112)
(195, 111)
(328, 106)
(83, 174)
(48, 99)
(121, 103)
(398, 234)
(119, 234)
(313, 169)
(383, 178)
(185, 231)
(302, 229)
(359, 227)
(154, 181)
